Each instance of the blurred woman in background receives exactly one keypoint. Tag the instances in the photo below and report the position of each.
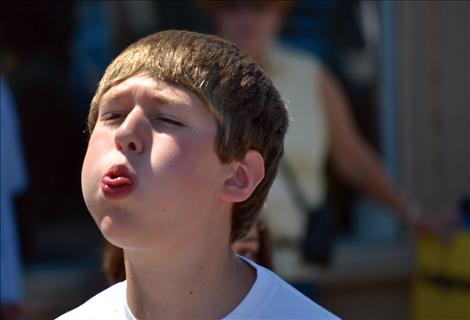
(322, 128)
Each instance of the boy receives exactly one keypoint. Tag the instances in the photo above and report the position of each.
(186, 136)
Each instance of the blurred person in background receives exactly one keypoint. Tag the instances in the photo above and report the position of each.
(257, 245)
(13, 181)
(322, 128)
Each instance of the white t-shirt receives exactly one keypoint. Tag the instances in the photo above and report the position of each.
(270, 297)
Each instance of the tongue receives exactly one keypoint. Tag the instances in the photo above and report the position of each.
(117, 181)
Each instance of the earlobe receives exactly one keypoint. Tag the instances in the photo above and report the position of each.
(247, 175)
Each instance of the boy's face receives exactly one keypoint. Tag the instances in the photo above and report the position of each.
(150, 174)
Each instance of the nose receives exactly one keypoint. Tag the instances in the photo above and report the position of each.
(130, 136)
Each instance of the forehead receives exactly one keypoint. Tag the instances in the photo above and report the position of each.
(142, 86)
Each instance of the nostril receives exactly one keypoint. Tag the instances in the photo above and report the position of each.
(132, 146)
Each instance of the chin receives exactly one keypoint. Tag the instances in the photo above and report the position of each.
(122, 235)
(114, 230)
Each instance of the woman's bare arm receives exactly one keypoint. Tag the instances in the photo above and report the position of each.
(361, 167)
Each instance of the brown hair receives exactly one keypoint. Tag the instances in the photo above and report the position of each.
(247, 107)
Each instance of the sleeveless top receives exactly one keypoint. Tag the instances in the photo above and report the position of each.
(296, 76)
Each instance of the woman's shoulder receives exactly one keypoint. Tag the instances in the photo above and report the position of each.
(288, 62)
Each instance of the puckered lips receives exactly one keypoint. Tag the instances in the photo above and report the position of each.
(118, 182)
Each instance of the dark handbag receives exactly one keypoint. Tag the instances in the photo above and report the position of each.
(318, 239)
(317, 243)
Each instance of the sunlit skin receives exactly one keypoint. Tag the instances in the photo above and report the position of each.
(174, 219)
(164, 136)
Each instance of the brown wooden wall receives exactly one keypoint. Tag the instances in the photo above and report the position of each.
(433, 40)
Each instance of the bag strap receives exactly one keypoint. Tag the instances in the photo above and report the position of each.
(294, 187)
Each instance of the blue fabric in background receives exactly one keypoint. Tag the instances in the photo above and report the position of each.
(13, 181)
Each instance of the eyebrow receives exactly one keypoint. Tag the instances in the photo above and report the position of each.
(154, 97)
(161, 100)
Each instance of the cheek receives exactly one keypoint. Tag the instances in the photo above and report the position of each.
(91, 155)
(189, 157)
(186, 168)
(90, 174)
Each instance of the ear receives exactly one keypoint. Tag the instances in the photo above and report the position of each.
(246, 176)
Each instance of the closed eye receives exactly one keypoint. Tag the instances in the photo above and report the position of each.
(171, 121)
(112, 115)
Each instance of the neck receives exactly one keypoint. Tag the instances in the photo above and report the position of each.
(259, 53)
(186, 284)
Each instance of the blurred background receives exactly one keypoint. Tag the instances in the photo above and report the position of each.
(405, 71)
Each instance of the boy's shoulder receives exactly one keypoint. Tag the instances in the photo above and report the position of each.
(272, 297)
(269, 297)
(108, 304)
